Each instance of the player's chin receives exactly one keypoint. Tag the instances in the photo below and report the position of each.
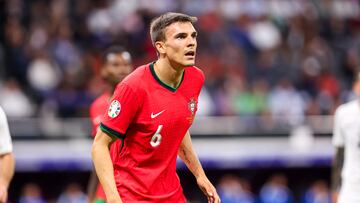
(189, 63)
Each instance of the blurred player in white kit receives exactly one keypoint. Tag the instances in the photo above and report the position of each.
(346, 139)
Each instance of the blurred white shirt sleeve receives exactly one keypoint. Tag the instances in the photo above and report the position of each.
(338, 137)
(5, 139)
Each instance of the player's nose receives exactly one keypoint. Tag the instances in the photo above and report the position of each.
(191, 41)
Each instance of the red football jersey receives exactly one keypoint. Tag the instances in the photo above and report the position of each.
(97, 110)
(152, 119)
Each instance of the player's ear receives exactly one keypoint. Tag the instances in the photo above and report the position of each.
(160, 47)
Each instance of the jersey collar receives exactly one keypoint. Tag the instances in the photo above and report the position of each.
(152, 69)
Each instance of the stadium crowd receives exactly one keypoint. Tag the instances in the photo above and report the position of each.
(286, 59)
(231, 188)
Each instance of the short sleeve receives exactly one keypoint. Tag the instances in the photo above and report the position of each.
(5, 139)
(121, 111)
(338, 136)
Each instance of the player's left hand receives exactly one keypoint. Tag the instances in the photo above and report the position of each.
(208, 189)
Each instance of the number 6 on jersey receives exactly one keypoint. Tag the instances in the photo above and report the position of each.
(156, 138)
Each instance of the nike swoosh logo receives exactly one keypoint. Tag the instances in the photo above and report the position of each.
(156, 115)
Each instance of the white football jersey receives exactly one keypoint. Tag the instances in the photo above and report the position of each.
(5, 139)
(347, 134)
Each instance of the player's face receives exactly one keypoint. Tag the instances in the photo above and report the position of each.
(180, 43)
(117, 67)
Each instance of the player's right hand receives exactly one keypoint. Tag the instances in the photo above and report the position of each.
(208, 189)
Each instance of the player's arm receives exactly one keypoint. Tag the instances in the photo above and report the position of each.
(188, 155)
(92, 185)
(7, 162)
(103, 165)
(7, 168)
(93, 180)
(337, 166)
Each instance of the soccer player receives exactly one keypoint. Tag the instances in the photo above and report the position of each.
(152, 110)
(7, 162)
(346, 139)
(116, 66)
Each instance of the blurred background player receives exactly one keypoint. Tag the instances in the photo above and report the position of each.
(233, 189)
(7, 162)
(116, 66)
(276, 190)
(318, 192)
(346, 139)
(152, 111)
(31, 193)
(72, 194)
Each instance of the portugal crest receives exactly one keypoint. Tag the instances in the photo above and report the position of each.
(192, 105)
(114, 109)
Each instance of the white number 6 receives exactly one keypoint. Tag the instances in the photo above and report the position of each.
(156, 138)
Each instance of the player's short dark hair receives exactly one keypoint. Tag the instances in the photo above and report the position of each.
(159, 24)
(116, 49)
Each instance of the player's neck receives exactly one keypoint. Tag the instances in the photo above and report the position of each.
(109, 88)
(167, 73)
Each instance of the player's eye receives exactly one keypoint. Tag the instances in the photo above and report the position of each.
(194, 35)
(180, 36)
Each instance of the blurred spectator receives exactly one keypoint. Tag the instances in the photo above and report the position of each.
(15, 51)
(251, 99)
(14, 101)
(206, 105)
(319, 192)
(72, 194)
(275, 190)
(69, 101)
(31, 193)
(234, 190)
(286, 104)
(264, 35)
(43, 75)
